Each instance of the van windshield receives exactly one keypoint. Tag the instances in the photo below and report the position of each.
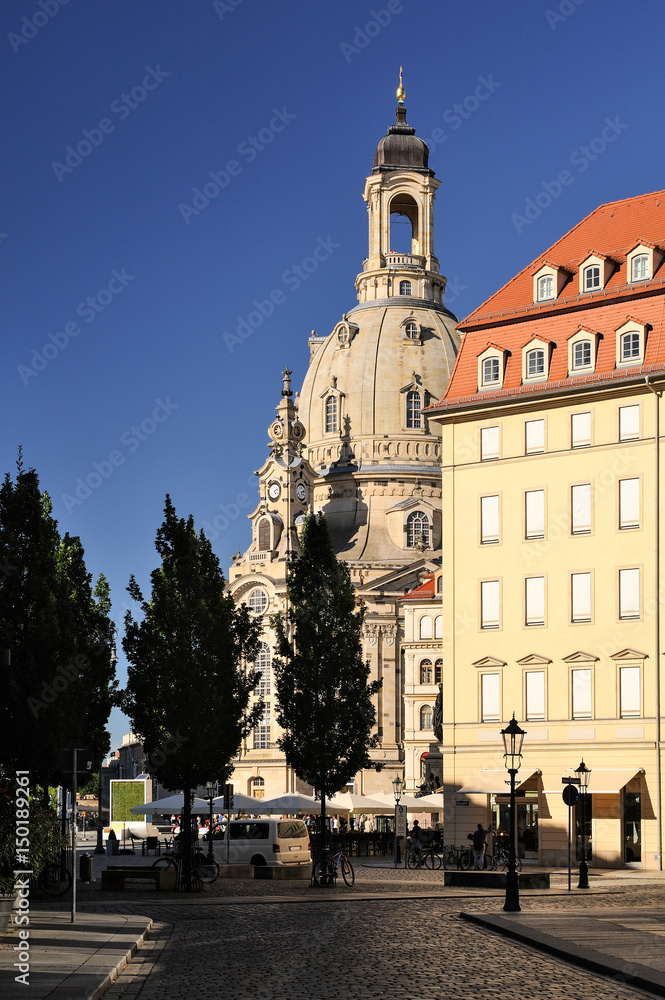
(289, 830)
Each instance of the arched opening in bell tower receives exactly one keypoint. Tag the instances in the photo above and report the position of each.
(404, 224)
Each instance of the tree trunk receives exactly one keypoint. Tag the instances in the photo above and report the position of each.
(322, 831)
(186, 832)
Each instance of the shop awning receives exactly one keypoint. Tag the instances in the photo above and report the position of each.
(603, 781)
(486, 782)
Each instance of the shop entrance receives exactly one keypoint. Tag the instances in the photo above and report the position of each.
(632, 827)
(527, 823)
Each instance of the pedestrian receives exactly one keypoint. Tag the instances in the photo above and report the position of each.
(478, 838)
(418, 838)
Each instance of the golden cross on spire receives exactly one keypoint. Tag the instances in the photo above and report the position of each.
(400, 89)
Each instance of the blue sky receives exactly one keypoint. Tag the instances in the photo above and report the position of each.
(125, 375)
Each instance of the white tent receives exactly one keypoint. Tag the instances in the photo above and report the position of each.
(413, 804)
(172, 804)
(241, 803)
(295, 802)
(348, 802)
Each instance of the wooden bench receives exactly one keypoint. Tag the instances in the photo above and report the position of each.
(123, 876)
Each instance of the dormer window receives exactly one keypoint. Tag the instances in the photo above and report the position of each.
(582, 354)
(331, 415)
(535, 363)
(411, 330)
(405, 288)
(413, 409)
(535, 360)
(491, 371)
(545, 287)
(639, 269)
(591, 278)
(417, 530)
(631, 342)
(595, 271)
(491, 367)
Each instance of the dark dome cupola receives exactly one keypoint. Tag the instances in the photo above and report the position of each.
(401, 149)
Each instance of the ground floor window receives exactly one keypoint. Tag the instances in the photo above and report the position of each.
(527, 824)
(632, 827)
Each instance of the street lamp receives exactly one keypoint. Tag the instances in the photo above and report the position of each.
(583, 773)
(513, 737)
(211, 789)
(398, 786)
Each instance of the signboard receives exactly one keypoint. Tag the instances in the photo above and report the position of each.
(401, 821)
(570, 795)
(461, 802)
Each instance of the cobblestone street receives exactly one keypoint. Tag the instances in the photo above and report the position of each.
(326, 944)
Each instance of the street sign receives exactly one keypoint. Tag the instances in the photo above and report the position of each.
(401, 821)
(570, 781)
(84, 761)
(570, 795)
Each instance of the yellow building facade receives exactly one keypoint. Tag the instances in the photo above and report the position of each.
(551, 545)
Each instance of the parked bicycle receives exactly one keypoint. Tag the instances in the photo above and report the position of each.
(500, 861)
(326, 873)
(457, 857)
(204, 869)
(54, 879)
(426, 857)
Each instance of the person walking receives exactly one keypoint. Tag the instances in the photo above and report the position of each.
(418, 838)
(478, 837)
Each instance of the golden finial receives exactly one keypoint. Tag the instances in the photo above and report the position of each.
(400, 89)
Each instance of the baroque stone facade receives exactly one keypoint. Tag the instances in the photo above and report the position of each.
(357, 445)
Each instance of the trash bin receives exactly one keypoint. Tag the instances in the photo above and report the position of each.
(85, 868)
(112, 843)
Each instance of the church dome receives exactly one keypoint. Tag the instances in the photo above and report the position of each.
(401, 149)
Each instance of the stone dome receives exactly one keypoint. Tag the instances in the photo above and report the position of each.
(401, 149)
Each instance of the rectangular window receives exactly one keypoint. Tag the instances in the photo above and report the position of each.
(534, 600)
(489, 443)
(581, 680)
(629, 593)
(629, 422)
(262, 731)
(580, 590)
(490, 604)
(535, 436)
(489, 520)
(489, 696)
(534, 514)
(580, 430)
(580, 498)
(535, 695)
(629, 503)
(629, 686)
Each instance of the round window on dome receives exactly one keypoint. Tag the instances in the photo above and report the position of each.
(411, 330)
(258, 601)
(342, 335)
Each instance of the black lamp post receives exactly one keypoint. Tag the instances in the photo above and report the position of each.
(211, 788)
(583, 773)
(513, 737)
(398, 785)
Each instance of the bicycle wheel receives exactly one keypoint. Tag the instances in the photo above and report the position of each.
(166, 862)
(432, 861)
(413, 860)
(465, 860)
(499, 862)
(348, 873)
(449, 859)
(55, 879)
(207, 868)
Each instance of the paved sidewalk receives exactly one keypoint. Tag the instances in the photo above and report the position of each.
(70, 961)
(625, 944)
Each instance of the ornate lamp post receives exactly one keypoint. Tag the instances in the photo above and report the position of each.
(398, 786)
(513, 737)
(211, 788)
(583, 773)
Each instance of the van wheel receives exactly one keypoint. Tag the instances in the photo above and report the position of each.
(258, 860)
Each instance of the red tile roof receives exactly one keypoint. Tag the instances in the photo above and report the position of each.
(510, 317)
(425, 589)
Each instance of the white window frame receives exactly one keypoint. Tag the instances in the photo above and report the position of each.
(534, 601)
(534, 436)
(629, 422)
(630, 593)
(586, 347)
(630, 346)
(331, 411)
(592, 278)
(580, 429)
(581, 598)
(535, 363)
(490, 605)
(405, 287)
(630, 691)
(425, 627)
(640, 262)
(535, 514)
(258, 606)
(488, 451)
(490, 520)
(630, 503)
(491, 369)
(581, 693)
(581, 509)
(534, 695)
(490, 697)
(545, 287)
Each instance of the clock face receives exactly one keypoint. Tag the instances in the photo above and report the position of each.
(274, 489)
(301, 492)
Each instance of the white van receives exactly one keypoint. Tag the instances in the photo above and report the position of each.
(262, 842)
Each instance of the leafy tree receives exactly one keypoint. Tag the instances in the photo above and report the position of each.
(187, 694)
(59, 682)
(323, 690)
